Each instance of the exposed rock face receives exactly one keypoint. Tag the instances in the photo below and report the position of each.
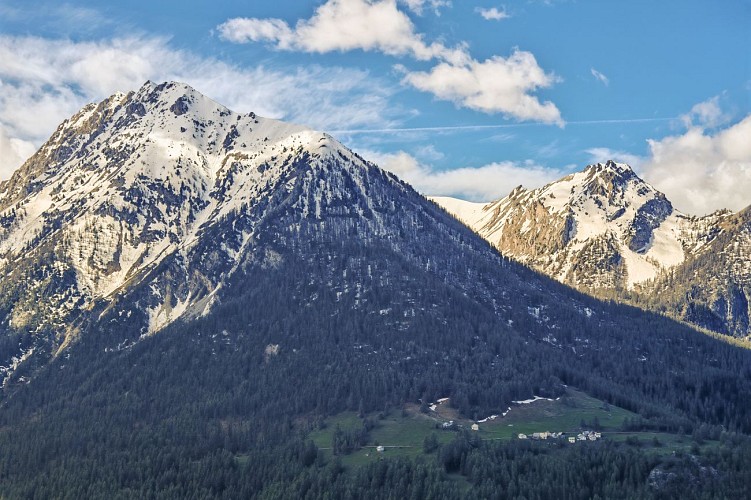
(712, 287)
(122, 189)
(607, 232)
(648, 218)
(135, 215)
(600, 230)
(180, 107)
(673, 477)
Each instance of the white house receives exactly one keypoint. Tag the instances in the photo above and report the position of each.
(475, 427)
(522, 436)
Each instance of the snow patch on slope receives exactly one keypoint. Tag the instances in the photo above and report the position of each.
(604, 201)
(466, 211)
(137, 178)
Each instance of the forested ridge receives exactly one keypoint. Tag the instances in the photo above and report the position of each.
(376, 300)
(169, 416)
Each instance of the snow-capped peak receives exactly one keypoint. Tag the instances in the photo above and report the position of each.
(622, 169)
(126, 182)
(603, 210)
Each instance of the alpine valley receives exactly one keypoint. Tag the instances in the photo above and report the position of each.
(197, 303)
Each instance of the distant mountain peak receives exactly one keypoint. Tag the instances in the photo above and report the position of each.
(611, 166)
(604, 229)
(601, 221)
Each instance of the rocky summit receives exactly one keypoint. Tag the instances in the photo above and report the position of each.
(607, 232)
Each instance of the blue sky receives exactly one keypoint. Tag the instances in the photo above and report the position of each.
(463, 98)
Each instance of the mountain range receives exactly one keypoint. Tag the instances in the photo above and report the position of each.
(607, 232)
(189, 292)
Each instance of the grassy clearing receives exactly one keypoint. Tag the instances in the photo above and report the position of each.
(403, 433)
(347, 420)
(400, 434)
(564, 415)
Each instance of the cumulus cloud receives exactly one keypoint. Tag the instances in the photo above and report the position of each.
(493, 13)
(701, 171)
(707, 114)
(602, 155)
(44, 81)
(341, 25)
(484, 183)
(600, 77)
(496, 85)
(13, 152)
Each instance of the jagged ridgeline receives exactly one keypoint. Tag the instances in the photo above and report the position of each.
(608, 233)
(185, 285)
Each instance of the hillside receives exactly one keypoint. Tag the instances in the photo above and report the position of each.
(607, 232)
(188, 306)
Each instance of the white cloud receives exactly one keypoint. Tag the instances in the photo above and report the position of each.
(429, 152)
(342, 25)
(496, 85)
(600, 77)
(485, 183)
(243, 29)
(701, 172)
(63, 18)
(493, 13)
(707, 114)
(602, 155)
(13, 152)
(44, 81)
(417, 6)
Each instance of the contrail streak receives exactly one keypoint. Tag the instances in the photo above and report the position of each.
(459, 128)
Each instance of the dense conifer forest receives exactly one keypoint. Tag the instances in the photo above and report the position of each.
(206, 409)
(374, 301)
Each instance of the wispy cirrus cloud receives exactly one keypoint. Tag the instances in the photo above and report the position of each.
(43, 81)
(503, 85)
(61, 18)
(600, 77)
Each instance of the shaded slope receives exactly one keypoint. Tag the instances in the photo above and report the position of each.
(336, 287)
